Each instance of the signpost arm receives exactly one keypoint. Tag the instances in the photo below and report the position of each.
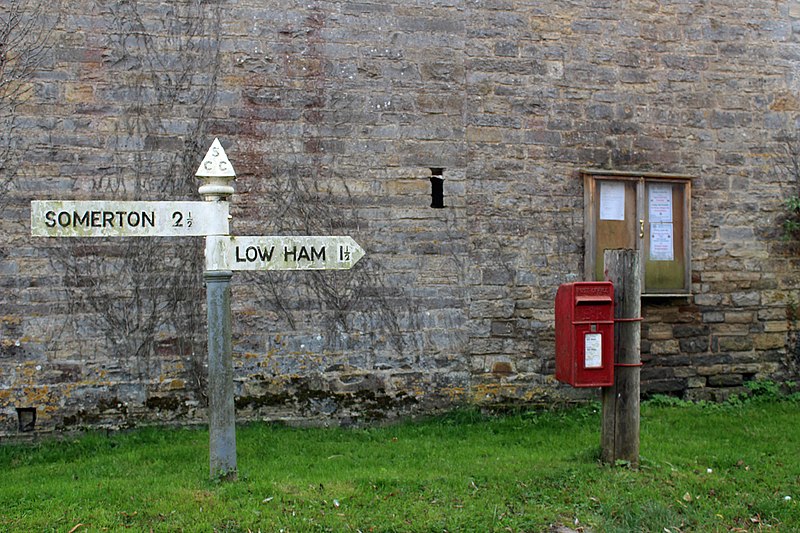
(216, 173)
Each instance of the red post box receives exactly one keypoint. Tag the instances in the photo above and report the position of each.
(585, 334)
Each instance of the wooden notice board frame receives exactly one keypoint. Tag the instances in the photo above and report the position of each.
(648, 212)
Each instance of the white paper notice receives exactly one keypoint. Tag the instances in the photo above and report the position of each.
(660, 202)
(612, 200)
(593, 350)
(661, 242)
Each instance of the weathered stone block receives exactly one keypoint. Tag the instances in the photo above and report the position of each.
(713, 317)
(739, 317)
(696, 382)
(685, 372)
(745, 299)
(687, 330)
(731, 329)
(664, 347)
(726, 380)
(503, 328)
(695, 345)
(734, 344)
(769, 341)
(503, 368)
(497, 276)
(708, 299)
(777, 327)
(711, 370)
(663, 386)
(653, 373)
(778, 297)
(747, 368)
(659, 331)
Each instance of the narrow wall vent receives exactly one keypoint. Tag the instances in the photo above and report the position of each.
(26, 416)
(437, 188)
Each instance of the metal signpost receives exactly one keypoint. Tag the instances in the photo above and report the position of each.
(224, 254)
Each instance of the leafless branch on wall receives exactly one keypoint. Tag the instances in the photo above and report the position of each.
(25, 44)
(148, 292)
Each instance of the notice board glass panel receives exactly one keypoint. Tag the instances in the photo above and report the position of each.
(664, 238)
(615, 226)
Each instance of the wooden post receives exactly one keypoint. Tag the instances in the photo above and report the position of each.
(620, 430)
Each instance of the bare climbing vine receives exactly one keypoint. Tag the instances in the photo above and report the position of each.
(323, 205)
(306, 196)
(787, 170)
(147, 292)
(25, 45)
(25, 42)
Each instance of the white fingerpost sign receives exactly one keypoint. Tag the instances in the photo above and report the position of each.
(282, 253)
(99, 218)
(224, 254)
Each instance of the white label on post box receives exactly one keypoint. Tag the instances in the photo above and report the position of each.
(593, 350)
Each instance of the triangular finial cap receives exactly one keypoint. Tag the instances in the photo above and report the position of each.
(215, 164)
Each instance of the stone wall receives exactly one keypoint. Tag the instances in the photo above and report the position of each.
(335, 116)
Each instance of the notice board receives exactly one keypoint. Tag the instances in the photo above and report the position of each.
(650, 213)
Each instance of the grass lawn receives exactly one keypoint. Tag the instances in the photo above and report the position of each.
(704, 468)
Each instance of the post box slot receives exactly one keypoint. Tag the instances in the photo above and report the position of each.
(593, 300)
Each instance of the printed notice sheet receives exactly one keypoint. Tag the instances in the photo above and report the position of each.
(612, 200)
(661, 242)
(660, 202)
(593, 350)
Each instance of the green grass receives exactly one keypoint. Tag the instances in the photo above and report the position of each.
(703, 469)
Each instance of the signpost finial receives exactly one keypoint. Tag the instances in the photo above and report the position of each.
(216, 174)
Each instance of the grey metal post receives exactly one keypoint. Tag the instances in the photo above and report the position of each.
(221, 414)
(216, 174)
